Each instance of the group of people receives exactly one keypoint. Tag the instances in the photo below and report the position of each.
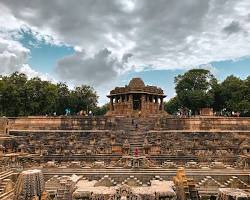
(81, 113)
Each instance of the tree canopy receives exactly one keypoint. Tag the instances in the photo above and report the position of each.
(198, 88)
(20, 96)
(193, 89)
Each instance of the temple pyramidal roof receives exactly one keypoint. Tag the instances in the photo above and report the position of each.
(136, 85)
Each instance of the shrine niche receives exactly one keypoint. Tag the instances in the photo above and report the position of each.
(125, 192)
(136, 99)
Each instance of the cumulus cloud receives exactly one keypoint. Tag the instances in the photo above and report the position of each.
(100, 68)
(210, 67)
(12, 56)
(173, 34)
(31, 73)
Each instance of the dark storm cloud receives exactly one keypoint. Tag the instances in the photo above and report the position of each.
(162, 34)
(233, 27)
(126, 56)
(102, 67)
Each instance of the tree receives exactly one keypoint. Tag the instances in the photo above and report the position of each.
(235, 94)
(83, 98)
(101, 110)
(246, 92)
(172, 106)
(193, 89)
(20, 96)
(36, 97)
(63, 98)
(12, 94)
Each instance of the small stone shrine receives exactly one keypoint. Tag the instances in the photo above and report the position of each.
(136, 99)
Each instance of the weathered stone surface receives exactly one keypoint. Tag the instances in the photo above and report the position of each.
(136, 99)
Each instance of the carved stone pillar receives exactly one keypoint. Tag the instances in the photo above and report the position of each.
(161, 104)
(143, 102)
(157, 99)
(127, 97)
(111, 104)
(130, 100)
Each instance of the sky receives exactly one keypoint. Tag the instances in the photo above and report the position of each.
(106, 44)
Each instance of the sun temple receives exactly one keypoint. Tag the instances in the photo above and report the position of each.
(136, 151)
(136, 98)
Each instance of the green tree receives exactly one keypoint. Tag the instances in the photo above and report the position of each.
(83, 98)
(172, 106)
(219, 99)
(20, 96)
(246, 91)
(101, 110)
(193, 89)
(36, 97)
(63, 98)
(12, 94)
(235, 93)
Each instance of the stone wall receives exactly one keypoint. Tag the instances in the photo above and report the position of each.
(203, 146)
(206, 123)
(166, 123)
(4, 126)
(180, 140)
(57, 123)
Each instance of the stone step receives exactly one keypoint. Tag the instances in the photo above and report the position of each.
(141, 138)
(136, 145)
(137, 137)
(233, 179)
(3, 172)
(3, 184)
(5, 175)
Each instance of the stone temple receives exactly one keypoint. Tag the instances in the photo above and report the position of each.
(136, 99)
(136, 151)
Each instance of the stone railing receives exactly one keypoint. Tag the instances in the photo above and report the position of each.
(205, 123)
(166, 123)
(57, 123)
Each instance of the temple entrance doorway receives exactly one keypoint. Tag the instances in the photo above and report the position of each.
(136, 102)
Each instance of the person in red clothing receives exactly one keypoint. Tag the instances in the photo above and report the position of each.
(136, 152)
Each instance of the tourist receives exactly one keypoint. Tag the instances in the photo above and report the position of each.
(136, 152)
(67, 111)
(90, 113)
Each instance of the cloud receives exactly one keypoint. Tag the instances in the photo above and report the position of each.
(96, 70)
(210, 67)
(233, 27)
(126, 56)
(31, 73)
(160, 34)
(12, 56)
